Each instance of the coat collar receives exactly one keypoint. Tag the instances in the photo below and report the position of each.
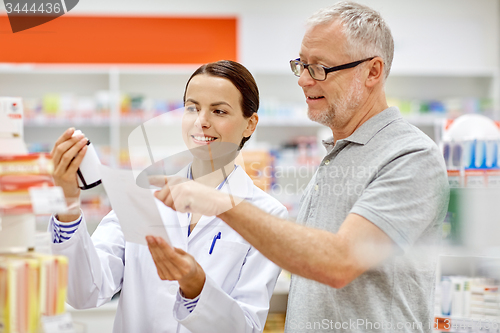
(238, 184)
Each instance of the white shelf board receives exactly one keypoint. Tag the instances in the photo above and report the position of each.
(419, 120)
(425, 119)
(65, 122)
(286, 122)
(190, 68)
(31, 68)
(26, 68)
(446, 72)
(57, 122)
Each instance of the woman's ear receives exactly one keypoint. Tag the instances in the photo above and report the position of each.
(376, 73)
(252, 124)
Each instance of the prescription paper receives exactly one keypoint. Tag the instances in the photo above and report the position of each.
(135, 206)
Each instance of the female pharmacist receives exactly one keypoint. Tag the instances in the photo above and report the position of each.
(211, 280)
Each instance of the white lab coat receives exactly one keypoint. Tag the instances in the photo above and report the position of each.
(239, 280)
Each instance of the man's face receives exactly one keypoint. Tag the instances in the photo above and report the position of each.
(332, 102)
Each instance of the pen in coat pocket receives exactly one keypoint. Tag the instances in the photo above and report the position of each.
(216, 237)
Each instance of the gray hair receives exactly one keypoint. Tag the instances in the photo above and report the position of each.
(366, 31)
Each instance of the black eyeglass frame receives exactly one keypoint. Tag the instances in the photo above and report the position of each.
(328, 69)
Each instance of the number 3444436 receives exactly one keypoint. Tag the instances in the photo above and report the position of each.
(34, 9)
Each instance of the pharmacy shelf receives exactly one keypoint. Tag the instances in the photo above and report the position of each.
(417, 120)
(23, 68)
(168, 82)
(105, 122)
(58, 122)
(472, 251)
(455, 72)
(189, 68)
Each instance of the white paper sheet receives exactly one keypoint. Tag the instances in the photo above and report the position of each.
(135, 206)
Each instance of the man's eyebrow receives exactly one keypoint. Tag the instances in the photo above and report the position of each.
(314, 59)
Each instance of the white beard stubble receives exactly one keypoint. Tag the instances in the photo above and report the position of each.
(341, 111)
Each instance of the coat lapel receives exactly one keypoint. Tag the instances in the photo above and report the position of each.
(238, 184)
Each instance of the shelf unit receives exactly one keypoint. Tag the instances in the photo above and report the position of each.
(168, 82)
(473, 250)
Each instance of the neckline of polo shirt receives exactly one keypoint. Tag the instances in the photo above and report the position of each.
(374, 125)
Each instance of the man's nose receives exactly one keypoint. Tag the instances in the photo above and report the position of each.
(305, 79)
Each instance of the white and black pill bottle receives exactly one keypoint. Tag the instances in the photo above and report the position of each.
(88, 172)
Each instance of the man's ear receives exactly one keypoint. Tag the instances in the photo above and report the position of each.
(252, 124)
(376, 72)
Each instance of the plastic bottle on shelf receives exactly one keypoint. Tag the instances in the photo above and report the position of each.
(446, 295)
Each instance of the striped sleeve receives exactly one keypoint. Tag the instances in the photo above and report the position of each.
(189, 304)
(62, 231)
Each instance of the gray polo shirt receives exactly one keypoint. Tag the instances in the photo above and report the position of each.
(392, 174)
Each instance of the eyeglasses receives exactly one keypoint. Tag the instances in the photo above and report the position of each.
(318, 72)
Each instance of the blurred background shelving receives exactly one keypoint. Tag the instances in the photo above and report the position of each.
(447, 63)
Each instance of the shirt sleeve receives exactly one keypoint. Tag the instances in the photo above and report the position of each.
(408, 195)
(187, 305)
(62, 231)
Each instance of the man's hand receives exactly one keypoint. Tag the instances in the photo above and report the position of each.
(187, 196)
(175, 264)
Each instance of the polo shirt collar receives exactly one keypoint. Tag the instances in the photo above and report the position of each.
(368, 130)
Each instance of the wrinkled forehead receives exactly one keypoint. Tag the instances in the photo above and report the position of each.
(324, 42)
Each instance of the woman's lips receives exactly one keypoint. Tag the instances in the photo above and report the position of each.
(203, 139)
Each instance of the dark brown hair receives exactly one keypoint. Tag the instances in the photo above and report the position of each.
(242, 80)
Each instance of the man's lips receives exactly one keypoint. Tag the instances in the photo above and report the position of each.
(314, 99)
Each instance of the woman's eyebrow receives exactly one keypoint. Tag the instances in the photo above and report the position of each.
(220, 103)
(191, 100)
(213, 104)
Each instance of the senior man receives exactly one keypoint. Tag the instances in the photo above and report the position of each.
(361, 252)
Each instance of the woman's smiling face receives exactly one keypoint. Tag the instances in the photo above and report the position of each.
(213, 115)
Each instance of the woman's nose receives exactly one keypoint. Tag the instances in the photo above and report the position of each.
(202, 121)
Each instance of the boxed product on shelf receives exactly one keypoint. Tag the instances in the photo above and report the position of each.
(40, 164)
(31, 285)
(485, 301)
(19, 312)
(450, 108)
(15, 192)
(135, 108)
(466, 297)
(19, 173)
(471, 150)
(68, 107)
(258, 165)
(277, 111)
(53, 282)
(12, 107)
(132, 106)
(474, 178)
